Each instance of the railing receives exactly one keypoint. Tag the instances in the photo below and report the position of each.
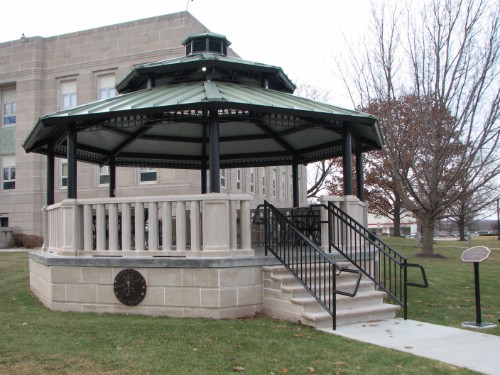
(306, 261)
(376, 259)
(150, 226)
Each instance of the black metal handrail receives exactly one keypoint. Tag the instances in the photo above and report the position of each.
(306, 261)
(372, 256)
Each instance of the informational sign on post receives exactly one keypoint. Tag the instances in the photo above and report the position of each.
(476, 255)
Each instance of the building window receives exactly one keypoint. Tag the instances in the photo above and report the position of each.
(4, 220)
(8, 107)
(103, 175)
(147, 175)
(252, 180)
(238, 178)
(63, 172)
(263, 180)
(106, 86)
(9, 172)
(274, 182)
(223, 178)
(68, 94)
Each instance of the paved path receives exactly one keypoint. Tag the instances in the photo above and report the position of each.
(476, 351)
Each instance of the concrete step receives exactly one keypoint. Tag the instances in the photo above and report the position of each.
(282, 269)
(285, 277)
(361, 300)
(350, 316)
(297, 290)
(285, 298)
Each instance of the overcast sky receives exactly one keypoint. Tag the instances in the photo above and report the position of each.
(297, 35)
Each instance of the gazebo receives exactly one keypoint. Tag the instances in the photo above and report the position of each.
(203, 111)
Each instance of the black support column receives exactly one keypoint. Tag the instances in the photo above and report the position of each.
(347, 158)
(203, 170)
(295, 184)
(360, 177)
(50, 177)
(71, 155)
(112, 177)
(214, 152)
(203, 177)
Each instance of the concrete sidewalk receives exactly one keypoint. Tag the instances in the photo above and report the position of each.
(473, 350)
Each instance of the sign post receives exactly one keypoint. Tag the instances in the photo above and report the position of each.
(476, 255)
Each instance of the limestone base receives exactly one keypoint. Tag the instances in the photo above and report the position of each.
(221, 288)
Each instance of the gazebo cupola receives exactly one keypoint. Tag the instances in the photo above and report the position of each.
(206, 42)
(206, 59)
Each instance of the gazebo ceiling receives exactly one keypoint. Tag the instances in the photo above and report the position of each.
(260, 122)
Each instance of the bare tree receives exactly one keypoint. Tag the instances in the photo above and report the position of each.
(319, 172)
(445, 55)
(314, 93)
(470, 208)
(317, 176)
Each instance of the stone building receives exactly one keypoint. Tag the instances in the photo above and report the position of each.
(42, 75)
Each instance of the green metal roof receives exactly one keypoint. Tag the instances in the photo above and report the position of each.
(166, 126)
(140, 73)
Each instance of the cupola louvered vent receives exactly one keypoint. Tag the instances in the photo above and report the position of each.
(206, 42)
(199, 45)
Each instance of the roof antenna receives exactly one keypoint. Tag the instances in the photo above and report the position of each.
(187, 5)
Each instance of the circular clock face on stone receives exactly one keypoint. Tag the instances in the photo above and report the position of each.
(130, 287)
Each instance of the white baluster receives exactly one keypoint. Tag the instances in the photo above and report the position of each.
(180, 225)
(45, 227)
(325, 235)
(113, 227)
(139, 226)
(246, 228)
(153, 226)
(100, 227)
(233, 217)
(53, 235)
(195, 226)
(126, 227)
(166, 219)
(87, 228)
(50, 237)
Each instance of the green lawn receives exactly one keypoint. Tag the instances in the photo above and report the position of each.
(450, 298)
(34, 340)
